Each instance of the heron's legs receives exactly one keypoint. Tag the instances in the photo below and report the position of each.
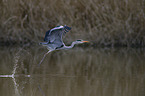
(44, 57)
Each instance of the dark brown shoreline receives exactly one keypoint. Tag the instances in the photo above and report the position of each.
(92, 44)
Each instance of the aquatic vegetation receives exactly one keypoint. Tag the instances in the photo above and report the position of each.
(109, 23)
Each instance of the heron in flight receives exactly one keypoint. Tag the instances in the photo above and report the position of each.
(53, 40)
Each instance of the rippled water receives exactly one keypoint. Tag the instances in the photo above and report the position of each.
(75, 72)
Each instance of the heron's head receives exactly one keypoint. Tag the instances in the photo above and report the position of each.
(80, 41)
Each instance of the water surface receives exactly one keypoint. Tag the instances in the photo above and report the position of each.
(75, 72)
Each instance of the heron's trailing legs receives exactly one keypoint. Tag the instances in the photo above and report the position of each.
(44, 57)
(41, 90)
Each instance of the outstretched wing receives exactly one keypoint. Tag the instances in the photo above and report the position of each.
(47, 36)
(54, 35)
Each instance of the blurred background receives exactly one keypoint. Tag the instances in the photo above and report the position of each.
(112, 64)
(104, 22)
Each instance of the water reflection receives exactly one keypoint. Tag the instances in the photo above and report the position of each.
(74, 72)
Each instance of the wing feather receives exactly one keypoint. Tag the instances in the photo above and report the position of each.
(55, 35)
(47, 36)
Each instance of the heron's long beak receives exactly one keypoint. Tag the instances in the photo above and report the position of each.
(85, 41)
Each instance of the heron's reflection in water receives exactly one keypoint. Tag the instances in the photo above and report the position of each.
(75, 72)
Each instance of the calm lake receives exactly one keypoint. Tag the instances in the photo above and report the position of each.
(75, 72)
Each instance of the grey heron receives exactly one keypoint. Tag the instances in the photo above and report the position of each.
(53, 40)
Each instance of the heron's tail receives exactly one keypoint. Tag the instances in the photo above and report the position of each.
(43, 43)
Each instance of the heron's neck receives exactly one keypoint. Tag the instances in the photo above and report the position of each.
(71, 46)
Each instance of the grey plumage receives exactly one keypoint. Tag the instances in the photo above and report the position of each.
(53, 40)
(53, 37)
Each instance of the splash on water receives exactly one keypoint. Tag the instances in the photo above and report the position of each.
(13, 75)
